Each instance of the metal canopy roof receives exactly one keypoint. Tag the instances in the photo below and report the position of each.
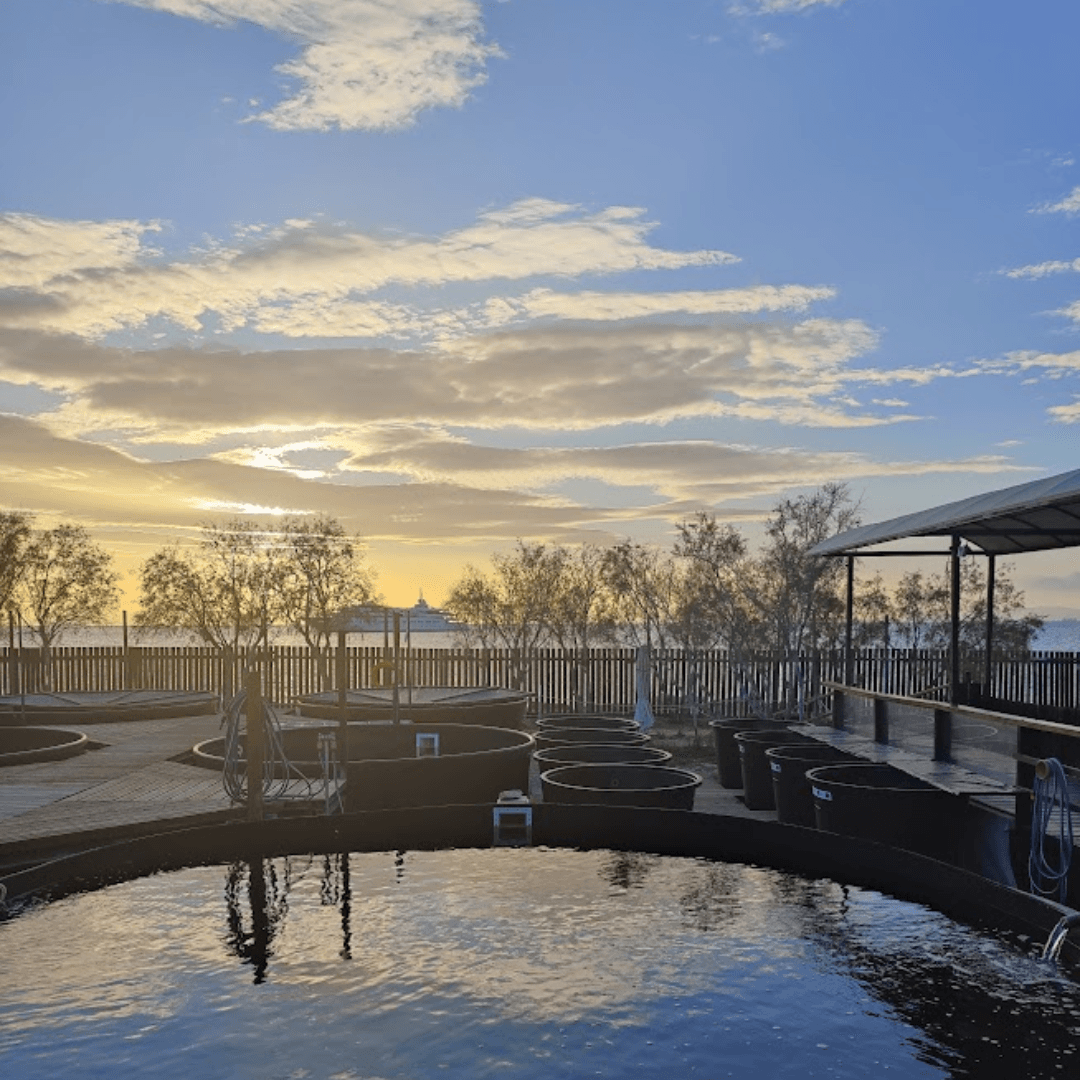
(1036, 516)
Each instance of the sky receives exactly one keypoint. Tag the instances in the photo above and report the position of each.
(459, 273)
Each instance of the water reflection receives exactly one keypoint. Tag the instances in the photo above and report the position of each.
(979, 1006)
(335, 891)
(710, 899)
(626, 869)
(541, 962)
(268, 905)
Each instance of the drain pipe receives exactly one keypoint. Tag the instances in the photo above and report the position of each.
(1052, 948)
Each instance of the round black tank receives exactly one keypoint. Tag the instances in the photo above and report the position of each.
(756, 774)
(882, 803)
(600, 754)
(728, 766)
(26, 745)
(791, 789)
(580, 736)
(569, 721)
(408, 765)
(621, 785)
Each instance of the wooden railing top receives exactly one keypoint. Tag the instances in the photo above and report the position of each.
(1009, 719)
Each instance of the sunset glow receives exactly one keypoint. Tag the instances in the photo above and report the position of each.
(460, 272)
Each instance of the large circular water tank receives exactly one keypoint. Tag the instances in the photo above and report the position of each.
(426, 704)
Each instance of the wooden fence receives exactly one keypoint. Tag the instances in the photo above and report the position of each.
(706, 682)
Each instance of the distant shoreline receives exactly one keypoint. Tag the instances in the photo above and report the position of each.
(1057, 635)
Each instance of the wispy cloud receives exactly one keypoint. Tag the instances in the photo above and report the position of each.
(432, 487)
(780, 7)
(1051, 365)
(362, 63)
(35, 251)
(300, 276)
(1066, 414)
(1045, 269)
(1068, 205)
(554, 378)
(608, 306)
(1034, 367)
(698, 472)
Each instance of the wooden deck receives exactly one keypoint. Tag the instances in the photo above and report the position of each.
(127, 786)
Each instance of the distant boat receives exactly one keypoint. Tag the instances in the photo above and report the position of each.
(420, 618)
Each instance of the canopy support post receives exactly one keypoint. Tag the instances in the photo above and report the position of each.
(849, 659)
(988, 675)
(954, 596)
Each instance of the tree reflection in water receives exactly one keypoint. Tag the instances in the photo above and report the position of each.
(626, 869)
(268, 904)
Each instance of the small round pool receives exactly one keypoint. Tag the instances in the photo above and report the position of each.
(26, 745)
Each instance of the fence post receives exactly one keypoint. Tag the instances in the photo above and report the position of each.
(256, 753)
(228, 688)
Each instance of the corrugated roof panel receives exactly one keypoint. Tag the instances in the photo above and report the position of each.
(1036, 516)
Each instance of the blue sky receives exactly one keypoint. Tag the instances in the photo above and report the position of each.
(461, 272)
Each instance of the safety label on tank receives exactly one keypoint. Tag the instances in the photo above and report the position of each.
(825, 796)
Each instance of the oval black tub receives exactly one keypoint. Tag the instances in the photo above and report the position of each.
(756, 774)
(407, 765)
(728, 766)
(621, 785)
(570, 721)
(579, 736)
(600, 754)
(791, 788)
(879, 802)
(27, 745)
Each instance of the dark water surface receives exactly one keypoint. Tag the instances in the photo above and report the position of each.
(517, 963)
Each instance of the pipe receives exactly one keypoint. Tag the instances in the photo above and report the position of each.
(1054, 943)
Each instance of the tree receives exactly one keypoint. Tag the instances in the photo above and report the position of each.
(798, 596)
(323, 576)
(243, 581)
(641, 580)
(580, 611)
(919, 603)
(718, 555)
(510, 608)
(923, 604)
(874, 615)
(228, 591)
(14, 536)
(66, 581)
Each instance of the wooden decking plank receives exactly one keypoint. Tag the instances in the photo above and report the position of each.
(129, 781)
(127, 785)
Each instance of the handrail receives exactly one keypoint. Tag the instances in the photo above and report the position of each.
(1051, 726)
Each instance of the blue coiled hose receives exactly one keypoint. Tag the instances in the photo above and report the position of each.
(1051, 795)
